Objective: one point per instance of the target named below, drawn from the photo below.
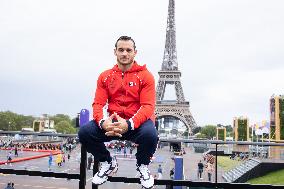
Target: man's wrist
(101, 123)
(130, 124)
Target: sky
(230, 53)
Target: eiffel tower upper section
(169, 74)
(170, 53)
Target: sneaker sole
(147, 188)
(111, 174)
(98, 184)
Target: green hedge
(281, 115)
(242, 130)
(272, 132)
(221, 134)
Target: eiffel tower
(169, 74)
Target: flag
(267, 125)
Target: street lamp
(9, 125)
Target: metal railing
(170, 183)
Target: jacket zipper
(125, 91)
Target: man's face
(125, 52)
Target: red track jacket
(131, 94)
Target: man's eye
(120, 50)
(129, 50)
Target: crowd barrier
(169, 184)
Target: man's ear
(114, 52)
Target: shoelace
(144, 172)
(104, 167)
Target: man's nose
(124, 52)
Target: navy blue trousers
(146, 136)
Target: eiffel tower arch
(170, 75)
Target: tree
(196, 130)
(229, 128)
(185, 134)
(60, 117)
(209, 131)
(14, 122)
(65, 127)
(199, 135)
(73, 122)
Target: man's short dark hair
(125, 38)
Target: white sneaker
(105, 170)
(146, 179)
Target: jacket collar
(134, 68)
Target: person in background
(63, 158)
(50, 161)
(10, 185)
(16, 152)
(209, 170)
(160, 172)
(90, 160)
(131, 151)
(200, 169)
(59, 160)
(9, 158)
(183, 151)
(125, 151)
(172, 173)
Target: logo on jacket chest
(131, 84)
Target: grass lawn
(226, 163)
(274, 178)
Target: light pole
(9, 125)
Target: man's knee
(153, 136)
(149, 132)
(86, 130)
(81, 133)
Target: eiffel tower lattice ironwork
(169, 74)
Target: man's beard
(129, 61)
